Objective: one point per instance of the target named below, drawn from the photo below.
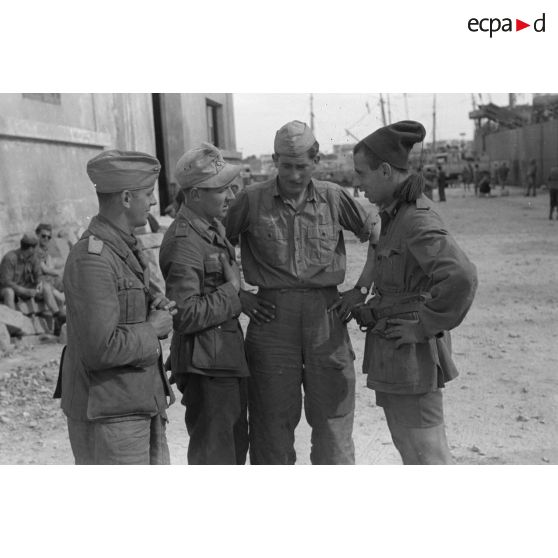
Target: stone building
(46, 140)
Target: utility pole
(434, 125)
(383, 110)
(389, 108)
(312, 112)
(406, 106)
(512, 99)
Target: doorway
(165, 196)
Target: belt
(295, 289)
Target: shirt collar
(105, 230)
(311, 192)
(389, 213)
(203, 227)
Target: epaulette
(95, 245)
(182, 228)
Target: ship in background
(517, 134)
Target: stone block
(5, 342)
(15, 321)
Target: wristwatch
(362, 290)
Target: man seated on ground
(50, 271)
(20, 278)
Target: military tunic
(207, 348)
(111, 368)
(420, 272)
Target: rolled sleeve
(236, 220)
(353, 217)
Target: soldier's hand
(404, 332)
(346, 302)
(161, 320)
(30, 293)
(231, 271)
(161, 302)
(257, 309)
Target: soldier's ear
(125, 197)
(387, 171)
(194, 194)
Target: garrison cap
(204, 167)
(293, 139)
(393, 143)
(113, 171)
(28, 240)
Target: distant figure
(553, 189)
(467, 177)
(484, 185)
(476, 178)
(20, 278)
(503, 174)
(50, 272)
(531, 178)
(246, 176)
(429, 179)
(442, 184)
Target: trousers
(305, 348)
(216, 409)
(136, 441)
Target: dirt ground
(501, 410)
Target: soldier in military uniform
(202, 276)
(292, 249)
(423, 287)
(113, 387)
(20, 278)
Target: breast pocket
(391, 267)
(273, 244)
(213, 271)
(132, 301)
(321, 241)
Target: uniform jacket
(112, 365)
(207, 337)
(417, 256)
(285, 247)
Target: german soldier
(113, 387)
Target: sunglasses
(47, 236)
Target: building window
(52, 98)
(213, 111)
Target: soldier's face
(376, 184)
(295, 173)
(215, 202)
(140, 202)
(44, 237)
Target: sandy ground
(501, 410)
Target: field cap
(393, 143)
(204, 167)
(293, 139)
(114, 171)
(28, 240)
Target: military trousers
(216, 419)
(305, 348)
(134, 441)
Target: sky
(259, 116)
